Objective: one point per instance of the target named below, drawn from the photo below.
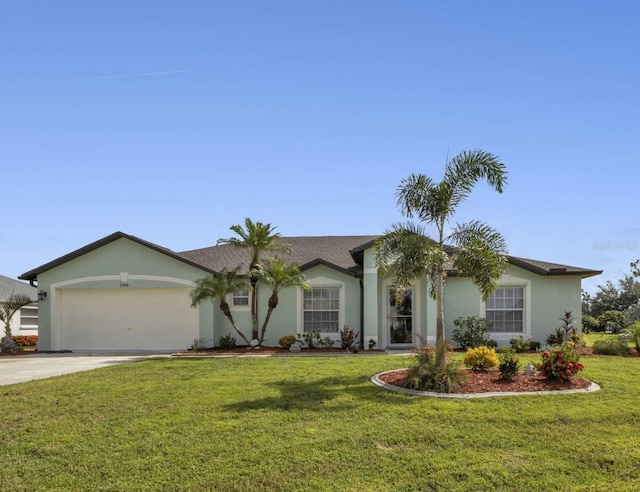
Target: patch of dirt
(489, 381)
(18, 353)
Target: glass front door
(400, 316)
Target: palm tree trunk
(273, 303)
(254, 311)
(235, 327)
(224, 307)
(440, 338)
(264, 325)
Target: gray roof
(334, 251)
(547, 268)
(344, 253)
(10, 286)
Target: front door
(400, 320)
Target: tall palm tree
(279, 275)
(472, 249)
(218, 288)
(259, 238)
(7, 311)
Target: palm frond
(407, 253)
(12, 305)
(480, 253)
(257, 237)
(467, 168)
(217, 287)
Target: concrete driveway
(21, 368)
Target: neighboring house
(25, 321)
(124, 293)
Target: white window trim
(323, 282)
(235, 308)
(505, 282)
(20, 313)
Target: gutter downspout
(361, 314)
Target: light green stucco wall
(286, 318)
(110, 260)
(547, 297)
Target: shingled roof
(9, 286)
(344, 253)
(333, 251)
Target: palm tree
(279, 275)
(473, 249)
(218, 288)
(7, 310)
(258, 238)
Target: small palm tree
(473, 249)
(278, 275)
(7, 311)
(218, 288)
(259, 238)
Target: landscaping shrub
(560, 363)
(286, 341)
(481, 358)
(227, 342)
(348, 337)
(313, 339)
(611, 346)
(470, 332)
(556, 338)
(509, 363)
(634, 332)
(535, 346)
(426, 375)
(520, 344)
(26, 340)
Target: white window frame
(33, 308)
(240, 307)
(323, 283)
(509, 281)
(505, 309)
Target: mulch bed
(275, 351)
(489, 381)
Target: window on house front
(29, 317)
(241, 297)
(505, 310)
(321, 309)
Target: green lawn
(310, 424)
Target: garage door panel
(128, 319)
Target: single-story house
(25, 321)
(124, 293)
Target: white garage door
(127, 319)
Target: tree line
(614, 305)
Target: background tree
(623, 297)
(259, 238)
(474, 249)
(7, 311)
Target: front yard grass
(285, 423)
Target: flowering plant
(560, 363)
(348, 337)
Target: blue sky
(172, 121)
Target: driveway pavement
(21, 368)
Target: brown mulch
(273, 351)
(489, 381)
